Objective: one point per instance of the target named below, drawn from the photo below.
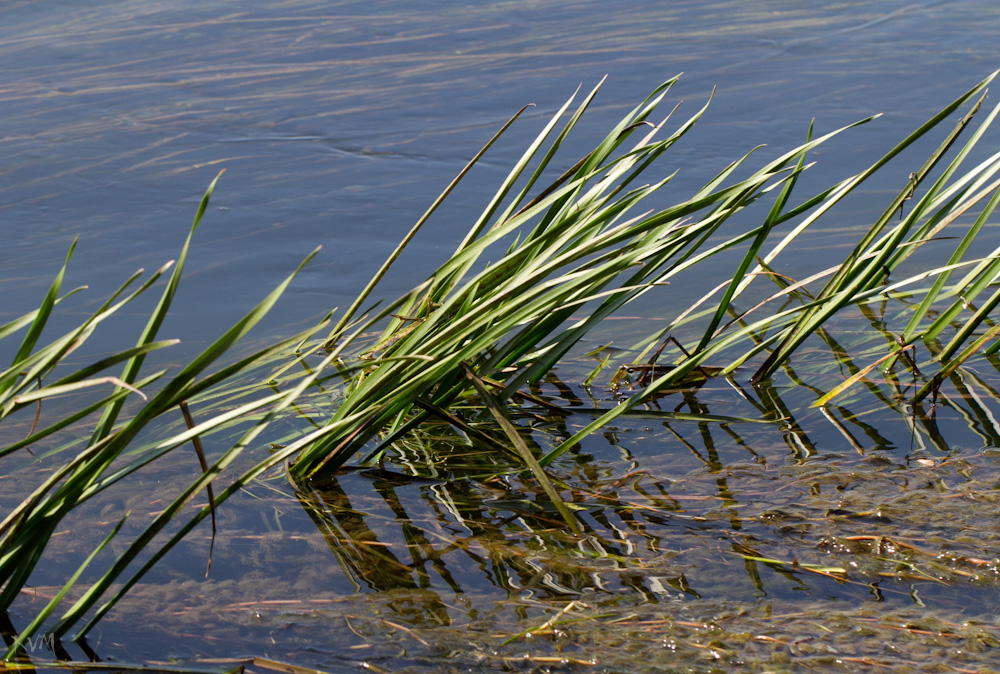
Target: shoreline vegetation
(464, 346)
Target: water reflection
(830, 502)
(683, 516)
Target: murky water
(337, 123)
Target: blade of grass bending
(82, 374)
(18, 323)
(132, 367)
(943, 209)
(639, 114)
(52, 391)
(28, 632)
(41, 318)
(853, 379)
(522, 448)
(651, 274)
(983, 171)
(765, 230)
(932, 385)
(851, 278)
(825, 199)
(76, 416)
(114, 359)
(932, 295)
(349, 313)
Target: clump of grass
(503, 311)
(109, 455)
(498, 316)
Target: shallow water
(836, 540)
(337, 123)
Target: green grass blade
(132, 367)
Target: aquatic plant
(497, 316)
(109, 455)
(501, 311)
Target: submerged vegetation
(550, 258)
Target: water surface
(337, 123)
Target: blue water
(337, 123)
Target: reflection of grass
(498, 316)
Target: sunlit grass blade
(853, 379)
(38, 324)
(348, 315)
(855, 275)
